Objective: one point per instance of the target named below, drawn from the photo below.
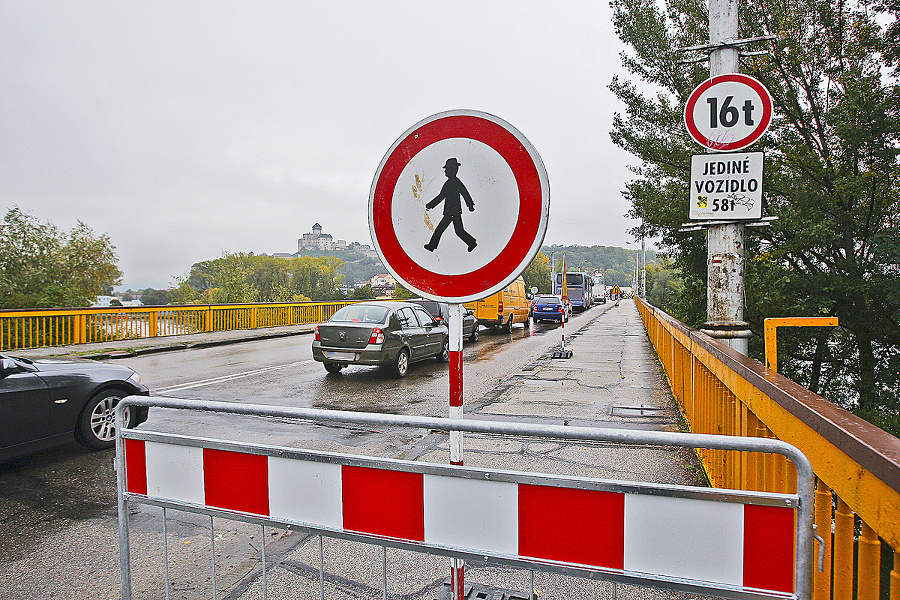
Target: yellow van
(502, 309)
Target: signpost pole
(725, 243)
(455, 324)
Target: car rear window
(548, 300)
(360, 313)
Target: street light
(640, 273)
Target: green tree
(43, 267)
(831, 178)
(152, 297)
(537, 274)
(363, 292)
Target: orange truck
(504, 308)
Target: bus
(580, 288)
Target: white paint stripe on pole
(469, 513)
(175, 472)
(306, 491)
(682, 537)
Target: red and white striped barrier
(646, 532)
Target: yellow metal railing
(63, 327)
(857, 465)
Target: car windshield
(360, 313)
(548, 300)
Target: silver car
(389, 334)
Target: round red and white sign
(728, 112)
(458, 207)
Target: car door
(434, 333)
(412, 333)
(24, 405)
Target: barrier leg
(212, 556)
(262, 551)
(166, 551)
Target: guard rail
(22, 329)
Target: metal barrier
(61, 327)
(750, 545)
(857, 465)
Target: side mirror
(7, 366)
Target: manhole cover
(637, 411)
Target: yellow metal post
(868, 578)
(843, 552)
(822, 579)
(771, 326)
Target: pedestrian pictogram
(450, 196)
(492, 188)
(728, 112)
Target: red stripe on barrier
(136, 466)
(769, 547)
(383, 502)
(236, 481)
(576, 526)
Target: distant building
(383, 285)
(322, 241)
(363, 248)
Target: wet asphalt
(612, 379)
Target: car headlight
(135, 377)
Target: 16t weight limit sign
(728, 112)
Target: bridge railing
(857, 465)
(62, 327)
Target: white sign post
(457, 210)
(726, 186)
(728, 112)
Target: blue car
(548, 307)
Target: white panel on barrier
(305, 491)
(175, 472)
(682, 537)
(470, 513)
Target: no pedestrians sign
(459, 206)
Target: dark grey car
(441, 312)
(388, 334)
(46, 403)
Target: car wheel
(507, 327)
(444, 355)
(401, 365)
(333, 367)
(474, 336)
(97, 424)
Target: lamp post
(640, 269)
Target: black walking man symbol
(450, 194)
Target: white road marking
(232, 377)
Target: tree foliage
(831, 179)
(44, 267)
(240, 277)
(537, 274)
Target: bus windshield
(571, 279)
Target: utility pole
(725, 243)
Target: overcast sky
(187, 129)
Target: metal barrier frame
(802, 501)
